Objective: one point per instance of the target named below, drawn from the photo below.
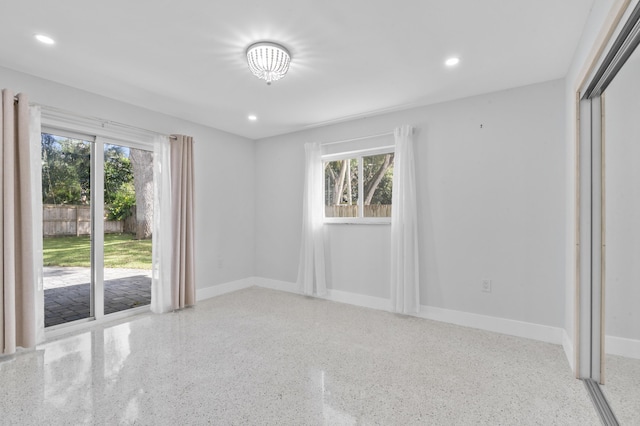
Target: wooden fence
(59, 220)
(373, 210)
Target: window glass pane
(66, 227)
(341, 188)
(128, 199)
(378, 183)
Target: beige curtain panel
(182, 191)
(17, 307)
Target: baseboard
(629, 348)
(332, 295)
(276, 284)
(217, 290)
(528, 330)
(567, 345)
(499, 325)
(372, 302)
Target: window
(358, 186)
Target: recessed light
(44, 39)
(452, 61)
(252, 117)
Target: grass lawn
(120, 251)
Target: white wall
(224, 192)
(491, 203)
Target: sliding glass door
(97, 215)
(128, 200)
(67, 223)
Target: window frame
(358, 155)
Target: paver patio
(67, 292)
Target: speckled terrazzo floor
(264, 357)
(622, 388)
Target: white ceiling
(350, 58)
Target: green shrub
(122, 203)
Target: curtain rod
(101, 120)
(357, 139)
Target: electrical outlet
(486, 286)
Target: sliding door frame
(590, 246)
(97, 223)
(97, 228)
(621, 39)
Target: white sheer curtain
(161, 253)
(311, 269)
(405, 295)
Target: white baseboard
(217, 290)
(365, 301)
(333, 295)
(567, 345)
(276, 284)
(527, 330)
(629, 348)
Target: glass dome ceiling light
(268, 61)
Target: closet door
(621, 312)
(609, 240)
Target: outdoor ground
(120, 251)
(67, 276)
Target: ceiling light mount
(268, 61)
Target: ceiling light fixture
(44, 39)
(452, 61)
(252, 117)
(268, 61)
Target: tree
(66, 175)
(66, 170)
(119, 194)
(117, 172)
(378, 179)
(122, 202)
(142, 167)
(342, 180)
